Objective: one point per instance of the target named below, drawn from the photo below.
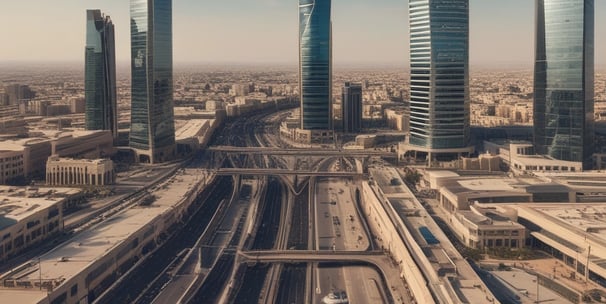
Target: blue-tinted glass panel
(315, 64)
(564, 77)
(439, 56)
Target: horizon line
(353, 64)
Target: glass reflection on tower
(564, 80)
(152, 120)
(315, 64)
(100, 74)
(439, 63)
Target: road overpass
(396, 284)
(282, 172)
(301, 151)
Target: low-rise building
(12, 163)
(521, 158)
(15, 126)
(79, 172)
(30, 215)
(488, 228)
(80, 270)
(84, 144)
(572, 233)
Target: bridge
(300, 152)
(397, 286)
(283, 172)
(287, 256)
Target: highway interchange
(253, 202)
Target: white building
(79, 172)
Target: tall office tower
(100, 74)
(352, 107)
(152, 132)
(439, 75)
(315, 64)
(563, 80)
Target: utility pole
(537, 301)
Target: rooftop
(192, 128)
(18, 203)
(389, 181)
(70, 258)
(543, 160)
(403, 202)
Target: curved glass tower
(564, 80)
(315, 64)
(100, 74)
(152, 133)
(439, 68)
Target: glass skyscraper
(352, 107)
(564, 80)
(315, 64)
(152, 133)
(439, 69)
(100, 74)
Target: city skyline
(501, 32)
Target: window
(60, 299)
(74, 290)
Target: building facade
(79, 172)
(439, 77)
(83, 144)
(315, 64)
(29, 217)
(12, 163)
(352, 107)
(152, 134)
(15, 93)
(564, 80)
(100, 74)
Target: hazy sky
(241, 31)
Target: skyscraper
(315, 64)
(564, 80)
(100, 74)
(439, 74)
(152, 134)
(352, 107)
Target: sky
(265, 31)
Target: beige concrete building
(73, 172)
(28, 216)
(485, 162)
(572, 233)
(488, 227)
(291, 131)
(521, 158)
(15, 126)
(79, 270)
(425, 256)
(397, 119)
(86, 144)
(12, 162)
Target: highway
(268, 268)
(137, 280)
(275, 172)
(301, 151)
